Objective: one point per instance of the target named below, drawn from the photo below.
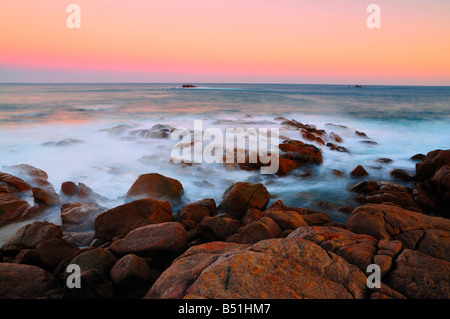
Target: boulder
(270, 269)
(251, 215)
(24, 281)
(153, 240)
(119, 221)
(155, 186)
(240, 197)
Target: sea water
(84, 133)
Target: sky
(232, 41)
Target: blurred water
(33, 118)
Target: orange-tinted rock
(240, 197)
(390, 222)
(175, 280)
(355, 248)
(80, 216)
(155, 186)
(119, 221)
(267, 270)
(52, 251)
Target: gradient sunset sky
(238, 41)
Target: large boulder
(432, 187)
(296, 153)
(24, 281)
(192, 214)
(119, 221)
(156, 186)
(240, 197)
(159, 239)
(270, 269)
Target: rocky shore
(157, 246)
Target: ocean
(93, 133)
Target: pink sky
(277, 41)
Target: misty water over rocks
(106, 136)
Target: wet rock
(401, 174)
(337, 148)
(24, 281)
(361, 134)
(418, 157)
(286, 219)
(240, 197)
(73, 193)
(156, 186)
(359, 171)
(384, 160)
(119, 221)
(14, 209)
